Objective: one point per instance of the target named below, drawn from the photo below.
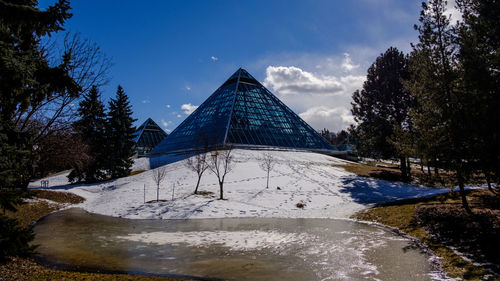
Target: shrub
(14, 239)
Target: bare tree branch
(199, 165)
(221, 163)
(159, 175)
(267, 163)
(86, 64)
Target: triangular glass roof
(242, 112)
(147, 136)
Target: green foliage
(479, 41)
(14, 239)
(434, 76)
(26, 76)
(91, 127)
(26, 79)
(381, 107)
(455, 78)
(15, 156)
(120, 132)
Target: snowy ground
(327, 191)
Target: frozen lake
(231, 248)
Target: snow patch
(317, 180)
(235, 240)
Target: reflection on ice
(232, 249)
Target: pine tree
(120, 131)
(91, 128)
(26, 78)
(382, 107)
(479, 40)
(445, 112)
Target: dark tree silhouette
(120, 132)
(381, 108)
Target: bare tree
(221, 163)
(87, 65)
(267, 163)
(159, 175)
(199, 165)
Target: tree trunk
(465, 204)
(436, 169)
(429, 168)
(221, 185)
(267, 185)
(488, 180)
(197, 184)
(408, 169)
(157, 193)
(421, 165)
(402, 167)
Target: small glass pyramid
(243, 113)
(147, 136)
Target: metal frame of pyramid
(148, 136)
(243, 113)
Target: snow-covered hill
(316, 180)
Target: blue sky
(169, 56)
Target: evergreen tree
(428, 136)
(26, 78)
(445, 112)
(120, 132)
(91, 128)
(382, 107)
(479, 44)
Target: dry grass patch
(392, 173)
(35, 208)
(133, 173)
(440, 223)
(58, 196)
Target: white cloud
(145, 101)
(188, 88)
(324, 117)
(214, 58)
(347, 63)
(292, 80)
(188, 108)
(168, 105)
(321, 99)
(179, 116)
(165, 124)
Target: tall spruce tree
(381, 107)
(26, 78)
(479, 39)
(91, 128)
(445, 111)
(120, 132)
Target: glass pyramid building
(147, 136)
(243, 113)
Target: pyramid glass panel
(206, 125)
(242, 112)
(148, 135)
